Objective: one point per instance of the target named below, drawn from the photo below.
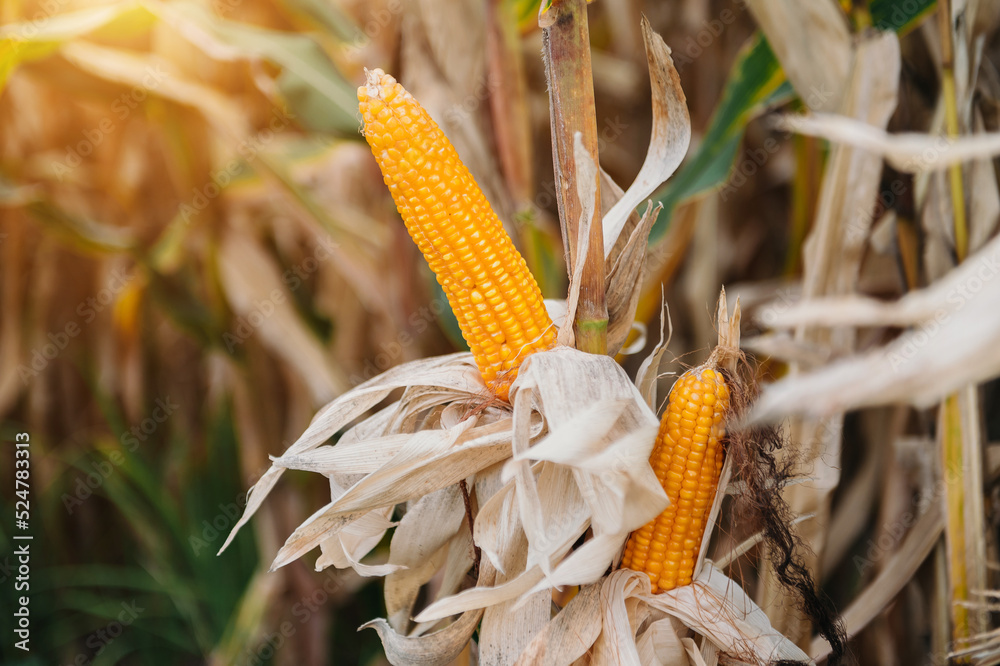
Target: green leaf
(446, 318)
(899, 15)
(525, 12)
(113, 652)
(319, 96)
(328, 15)
(755, 83)
(543, 254)
(109, 577)
(81, 233)
(40, 36)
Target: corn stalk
(566, 49)
(961, 471)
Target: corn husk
(532, 495)
(568, 458)
(950, 343)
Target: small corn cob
(687, 460)
(495, 298)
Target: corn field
(458, 332)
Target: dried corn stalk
(556, 478)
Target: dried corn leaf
(563, 515)
(813, 44)
(482, 596)
(568, 384)
(622, 616)
(897, 571)
(954, 343)
(618, 621)
(570, 634)
(429, 461)
(694, 655)
(716, 607)
(586, 176)
(624, 281)
(832, 257)
(660, 643)
(459, 369)
(253, 284)
(358, 457)
(649, 371)
(498, 525)
(507, 630)
(420, 545)
(437, 649)
(346, 548)
(668, 143)
(910, 152)
(599, 466)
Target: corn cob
(495, 298)
(687, 459)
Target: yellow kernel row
(687, 460)
(489, 287)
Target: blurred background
(198, 252)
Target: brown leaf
(813, 44)
(570, 634)
(668, 143)
(437, 649)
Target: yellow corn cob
(495, 298)
(687, 460)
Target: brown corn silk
(495, 298)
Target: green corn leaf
(755, 83)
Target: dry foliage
(188, 215)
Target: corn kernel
(687, 460)
(455, 228)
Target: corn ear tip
(376, 80)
